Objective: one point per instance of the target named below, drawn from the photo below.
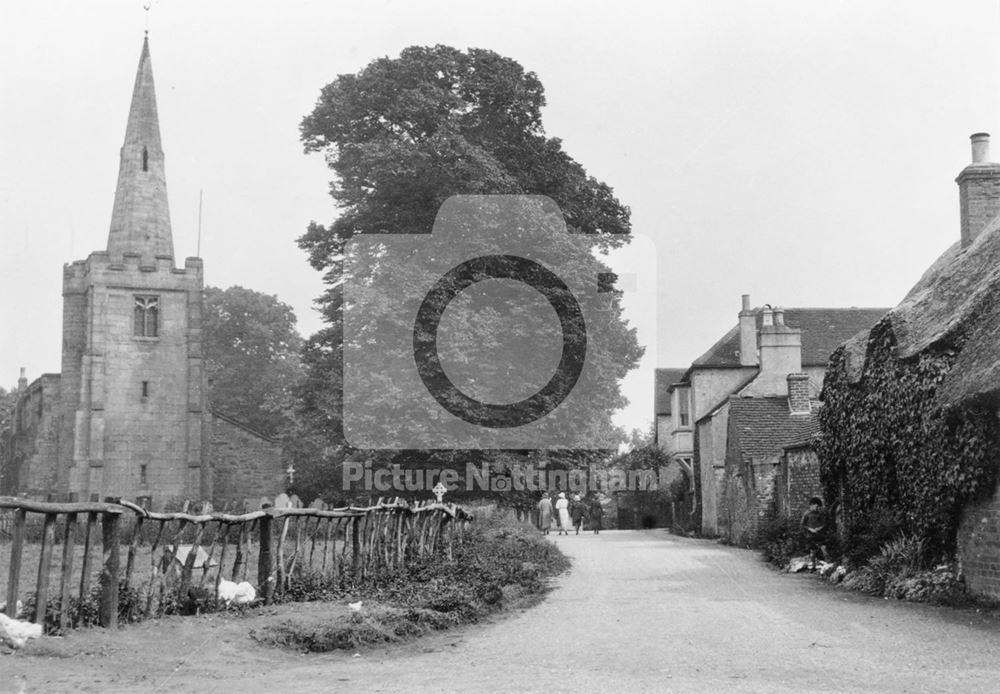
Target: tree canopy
(252, 360)
(405, 134)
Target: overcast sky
(801, 152)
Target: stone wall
(29, 463)
(747, 499)
(245, 464)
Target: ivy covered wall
(890, 453)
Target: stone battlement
(100, 264)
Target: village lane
(638, 612)
(648, 611)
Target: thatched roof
(954, 292)
(976, 373)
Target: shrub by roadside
(501, 564)
(898, 569)
(780, 539)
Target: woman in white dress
(562, 507)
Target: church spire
(140, 221)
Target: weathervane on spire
(145, 6)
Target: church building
(128, 415)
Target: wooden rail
(354, 544)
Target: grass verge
(501, 564)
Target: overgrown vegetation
(86, 612)
(499, 564)
(780, 539)
(894, 458)
(897, 567)
(900, 570)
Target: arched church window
(146, 316)
(145, 159)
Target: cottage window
(684, 408)
(146, 314)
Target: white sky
(801, 152)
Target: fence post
(66, 576)
(356, 547)
(110, 535)
(44, 565)
(85, 563)
(16, 547)
(132, 546)
(264, 559)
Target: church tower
(132, 389)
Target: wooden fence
(170, 556)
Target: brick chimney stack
(798, 393)
(22, 382)
(978, 189)
(748, 334)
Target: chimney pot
(980, 148)
(978, 190)
(768, 317)
(779, 317)
(748, 334)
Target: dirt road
(639, 611)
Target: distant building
(771, 358)
(128, 416)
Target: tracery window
(146, 316)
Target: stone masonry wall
(244, 464)
(29, 467)
(748, 500)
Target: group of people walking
(569, 513)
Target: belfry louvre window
(146, 316)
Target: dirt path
(640, 611)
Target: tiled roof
(823, 330)
(761, 427)
(664, 379)
(807, 439)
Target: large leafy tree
(402, 136)
(252, 357)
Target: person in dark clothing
(578, 512)
(545, 515)
(814, 527)
(596, 516)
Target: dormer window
(145, 159)
(146, 316)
